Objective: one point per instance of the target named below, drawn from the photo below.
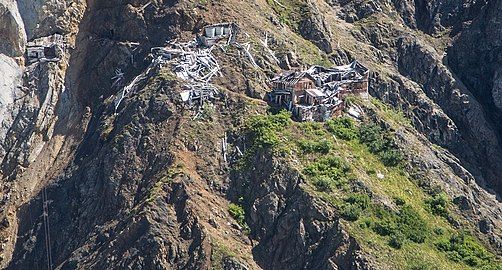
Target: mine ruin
(318, 93)
(45, 49)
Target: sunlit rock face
(9, 92)
(12, 35)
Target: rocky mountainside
(154, 184)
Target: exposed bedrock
(46, 17)
(476, 58)
(479, 145)
(434, 17)
(113, 199)
(440, 105)
(11, 29)
(313, 27)
(294, 229)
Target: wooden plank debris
(270, 51)
(193, 62)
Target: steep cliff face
(294, 229)
(434, 17)
(457, 117)
(11, 29)
(148, 185)
(475, 57)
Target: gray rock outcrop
(11, 29)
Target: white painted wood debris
(192, 62)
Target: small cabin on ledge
(49, 49)
(36, 53)
(317, 94)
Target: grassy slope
(364, 168)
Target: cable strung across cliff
(47, 229)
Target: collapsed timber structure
(191, 61)
(194, 62)
(45, 49)
(318, 93)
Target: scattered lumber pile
(193, 62)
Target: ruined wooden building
(318, 93)
(48, 49)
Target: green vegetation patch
(461, 247)
(309, 146)
(406, 224)
(327, 172)
(343, 128)
(290, 12)
(438, 204)
(357, 168)
(219, 253)
(238, 213)
(354, 205)
(381, 143)
(264, 129)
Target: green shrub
(331, 166)
(237, 213)
(369, 134)
(397, 240)
(492, 266)
(354, 205)
(463, 248)
(407, 223)
(324, 146)
(412, 225)
(327, 172)
(351, 212)
(385, 223)
(391, 157)
(361, 200)
(438, 204)
(399, 201)
(314, 128)
(309, 146)
(366, 223)
(263, 129)
(439, 230)
(342, 128)
(385, 227)
(421, 265)
(380, 142)
(323, 183)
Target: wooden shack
(289, 88)
(318, 93)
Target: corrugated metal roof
(315, 92)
